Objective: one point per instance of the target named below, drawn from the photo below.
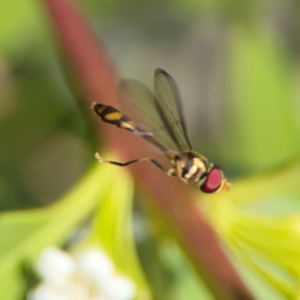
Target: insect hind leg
(124, 164)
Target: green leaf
(24, 233)
(264, 239)
(112, 228)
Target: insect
(158, 119)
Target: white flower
(55, 265)
(88, 276)
(119, 288)
(95, 264)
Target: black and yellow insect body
(158, 119)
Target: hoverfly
(158, 119)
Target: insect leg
(171, 172)
(124, 164)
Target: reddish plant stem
(172, 199)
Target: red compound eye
(214, 181)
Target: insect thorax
(191, 167)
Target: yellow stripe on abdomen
(113, 116)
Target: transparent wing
(160, 116)
(168, 105)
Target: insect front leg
(172, 172)
(127, 163)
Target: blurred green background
(236, 63)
